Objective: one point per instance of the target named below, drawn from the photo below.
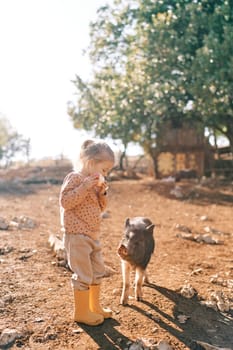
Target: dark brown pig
(135, 251)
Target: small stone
(38, 320)
(223, 306)
(8, 337)
(9, 298)
(119, 340)
(77, 330)
(182, 318)
(188, 291)
(155, 330)
(138, 345)
(3, 224)
(116, 291)
(204, 218)
(163, 345)
(183, 228)
(155, 318)
(6, 249)
(177, 192)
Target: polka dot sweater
(80, 208)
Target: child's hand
(102, 189)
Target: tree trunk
(121, 161)
(230, 138)
(156, 172)
(154, 155)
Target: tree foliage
(11, 143)
(212, 70)
(158, 61)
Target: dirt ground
(35, 293)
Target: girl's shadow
(106, 336)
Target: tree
(11, 143)
(147, 62)
(4, 130)
(110, 105)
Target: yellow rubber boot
(82, 313)
(95, 304)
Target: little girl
(82, 199)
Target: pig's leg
(139, 277)
(125, 268)
(146, 279)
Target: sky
(41, 51)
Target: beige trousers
(85, 260)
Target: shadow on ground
(107, 336)
(204, 324)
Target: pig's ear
(127, 223)
(150, 228)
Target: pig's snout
(122, 251)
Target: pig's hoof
(146, 282)
(139, 299)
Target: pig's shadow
(204, 324)
(106, 336)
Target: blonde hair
(96, 150)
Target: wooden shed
(180, 149)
